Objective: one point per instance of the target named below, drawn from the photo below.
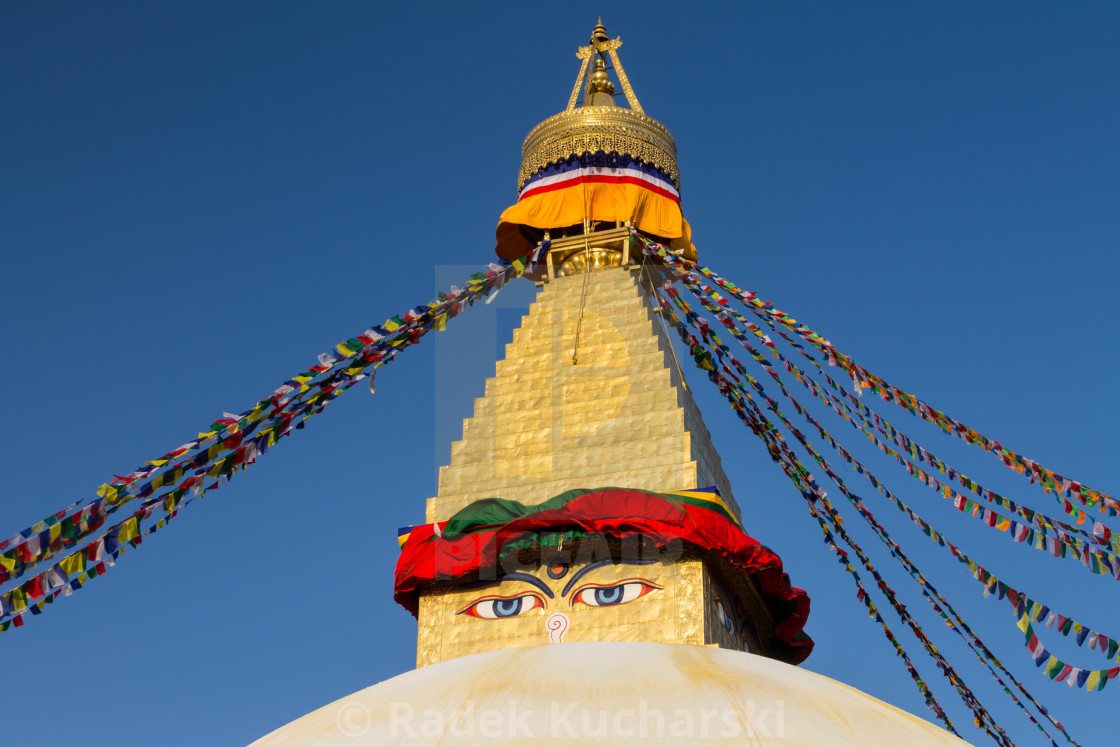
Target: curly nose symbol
(557, 625)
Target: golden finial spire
(600, 90)
(601, 44)
(599, 33)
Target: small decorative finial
(599, 33)
(600, 81)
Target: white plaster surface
(609, 693)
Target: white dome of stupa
(610, 693)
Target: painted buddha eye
(725, 618)
(613, 594)
(498, 607)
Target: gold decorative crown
(599, 125)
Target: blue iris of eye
(508, 607)
(608, 596)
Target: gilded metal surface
(688, 622)
(600, 258)
(600, 90)
(591, 129)
(599, 33)
(603, 44)
(579, 79)
(600, 81)
(428, 636)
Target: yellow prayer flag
(1024, 623)
(16, 599)
(1093, 681)
(9, 563)
(56, 532)
(128, 530)
(73, 564)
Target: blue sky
(198, 198)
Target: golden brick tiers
(619, 418)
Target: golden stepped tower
(621, 416)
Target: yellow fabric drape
(648, 211)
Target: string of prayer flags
(761, 426)
(230, 444)
(76, 570)
(1050, 480)
(1070, 535)
(1057, 670)
(1075, 675)
(1094, 559)
(1047, 537)
(980, 650)
(1100, 534)
(1028, 610)
(805, 483)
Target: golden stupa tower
(584, 574)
